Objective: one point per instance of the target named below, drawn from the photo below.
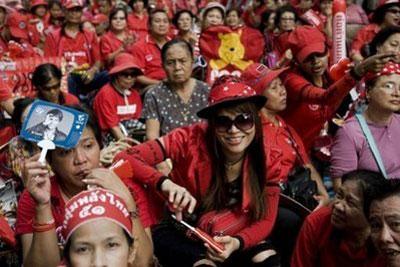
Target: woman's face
(99, 243)
(159, 24)
(138, 6)
(385, 95)
(74, 15)
(287, 21)
(392, 16)
(40, 11)
(384, 220)
(234, 141)
(347, 212)
(276, 95)
(185, 22)
(126, 79)
(73, 165)
(118, 21)
(51, 90)
(315, 64)
(56, 11)
(232, 19)
(178, 64)
(392, 44)
(213, 18)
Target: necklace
(230, 164)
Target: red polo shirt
(84, 48)
(26, 209)
(148, 56)
(319, 244)
(111, 107)
(109, 43)
(364, 36)
(138, 25)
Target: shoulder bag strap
(294, 145)
(371, 143)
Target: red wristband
(43, 227)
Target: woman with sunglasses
(118, 105)
(219, 166)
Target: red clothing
(69, 99)
(319, 244)
(37, 28)
(26, 209)
(138, 25)
(187, 149)
(3, 47)
(278, 140)
(148, 56)
(84, 48)
(252, 19)
(364, 36)
(111, 107)
(309, 107)
(109, 43)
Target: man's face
(51, 121)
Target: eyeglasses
(243, 122)
(51, 87)
(394, 11)
(129, 74)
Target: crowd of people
(231, 116)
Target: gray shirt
(164, 104)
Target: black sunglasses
(243, 122)
(129, 74)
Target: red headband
(91, 205)
(388, 69)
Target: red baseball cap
(38, 3)
(124, 61)
(18, 25)
(388, 69)
(228, 89)
(305, 40)
(93, 205)
(99, 18)
(73, 3)
(259, 76)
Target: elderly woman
(339, 235)
(118, 105)
(174, 102)
(383, 212)
(41, 206)
(351, 150)
(118, 38)
(220, 169)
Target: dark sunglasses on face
(243, 122)
(394, 11)
(129, 74)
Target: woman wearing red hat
(385, 15)
(118, 38)
(41, 207)
(118, 105)
(220, 167)
(351, 150)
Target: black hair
(380, 38)
(172, 42)
(265, 18)
(56, 112)
(44, 73)
(379, 13)
(131, 2)
(20, 106)
(155, 11)
(115, 10)
(54, 2)
(237, 10)
(383, 189)
(279, 12)
(179, 13)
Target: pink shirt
(350, 150)
(356, 15)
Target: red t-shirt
(109, 43)
(84, 48)
(148, 56)
(111, 106)
(138, 25)
(26, 209)
(364, 36)
(70, 99)
(319, 244)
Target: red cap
(124, 61)
(73, 3)
(388, 69)
(99, 18)
(260, 76)
(381, 6)
(18, 25)
(305, 40)
(38, 3)
(382, 3)
(92, 205)
(228, 89)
